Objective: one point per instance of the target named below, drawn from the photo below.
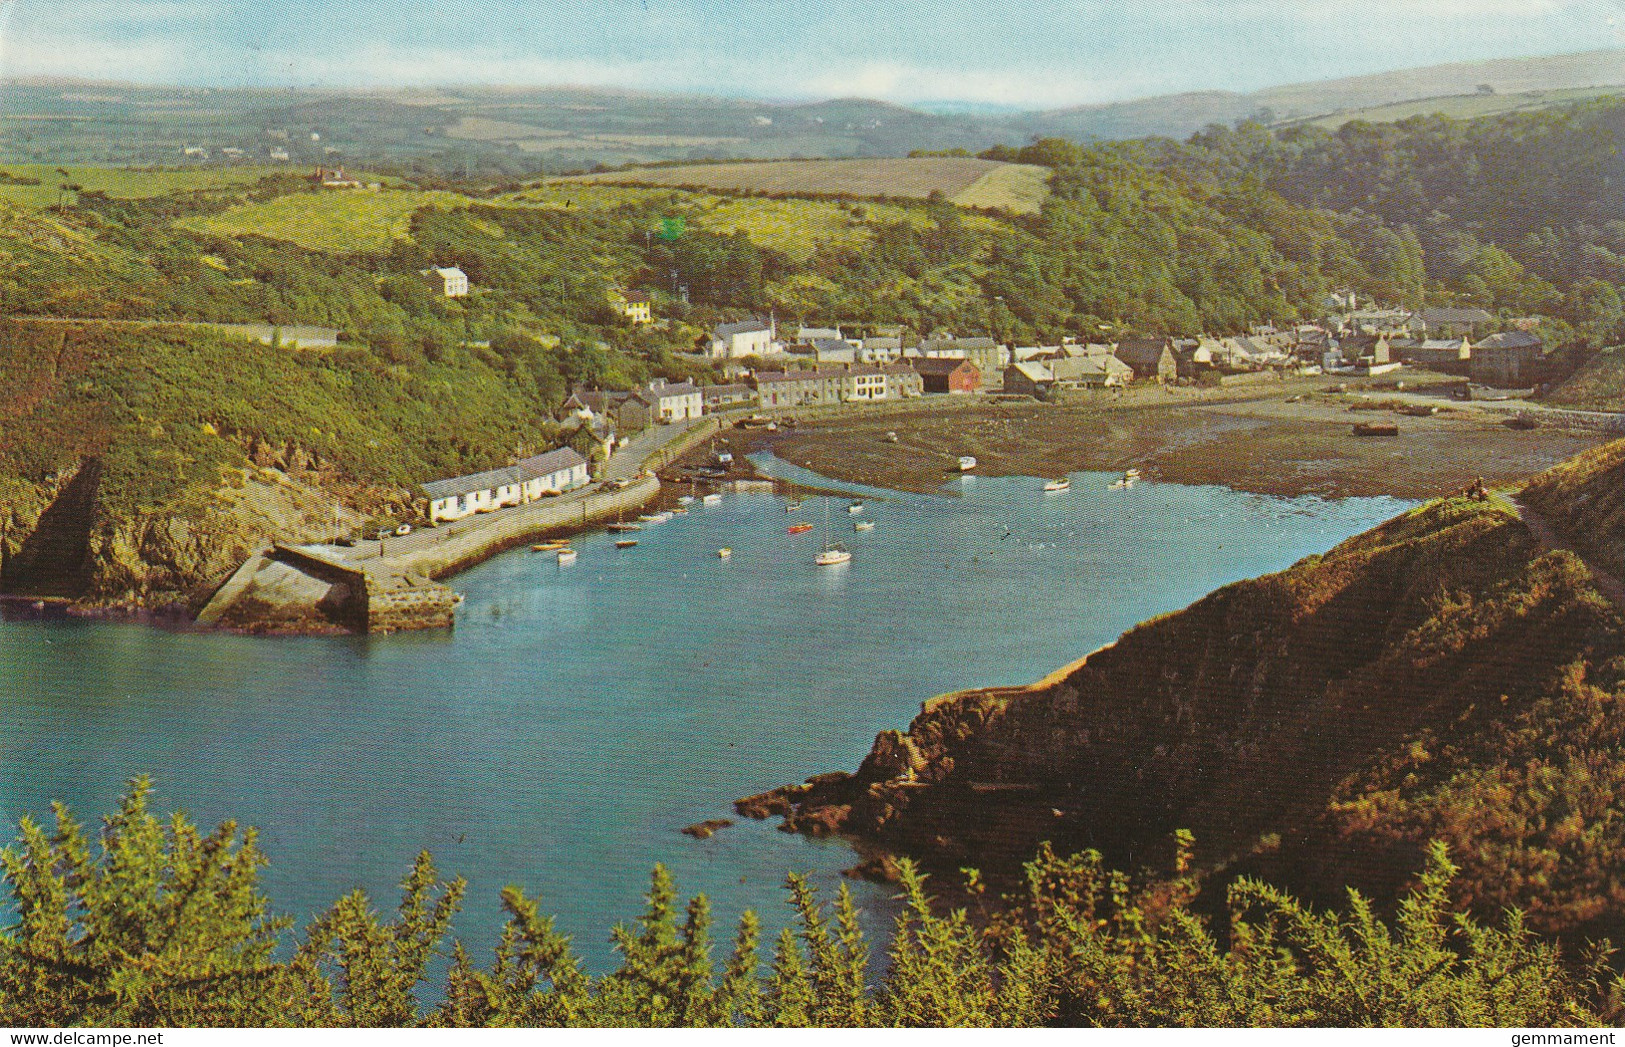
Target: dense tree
(160, 925)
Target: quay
(398, 582)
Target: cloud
(147, 59)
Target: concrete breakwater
(392, 584)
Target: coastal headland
(1317, 726)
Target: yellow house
(634, 305)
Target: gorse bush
(157, 924)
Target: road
(634, 455)
(626, 463)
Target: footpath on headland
(396, 582)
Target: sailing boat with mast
(832, 554)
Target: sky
(1021, 53)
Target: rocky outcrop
(1292, 722)
(706, 829)
(62, 542)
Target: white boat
(566, 556)
(1057, 486)
(1131, 474)
(831, 554)
(654, 518)
(864, 525)
(725, 552)
(711, 499)
(1122, 482)
(685, 499)
(855, 508)
(967, 462)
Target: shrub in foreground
(157, 924)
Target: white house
(673, 402)
(745, 338)
(537, 476)
(450, 282)
(553, 472)
(463, 496)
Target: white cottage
(462, 496)
(535, 477)
(553, 473)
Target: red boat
(799, 528)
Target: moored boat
(967, 462)
(619, 526)
(711, 499)
(832, 555)
(685, 499)
(855, 507)
(550, 547)
(1057, 486)
(791, 506)
(725, 552)
(864, 525)
(566, 556)
(626, 543)
(799, 528)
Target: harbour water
(579, 716)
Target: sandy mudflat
(1251, 439)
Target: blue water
(578, 717)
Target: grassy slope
(1466, 107)
(1597, 386)
(1437, 677)
(1017, 188)
(795, 227)
(122, 182)
(1584, 498)
(172, 414)
(338, 221)
(966, 181)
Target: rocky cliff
(1440, 676)
(58, 539)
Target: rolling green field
(1466, 107)
(794, 226)
(338, 221)
(966, 181)
(128, 183)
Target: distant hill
(1347, 98)
(523, 129)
